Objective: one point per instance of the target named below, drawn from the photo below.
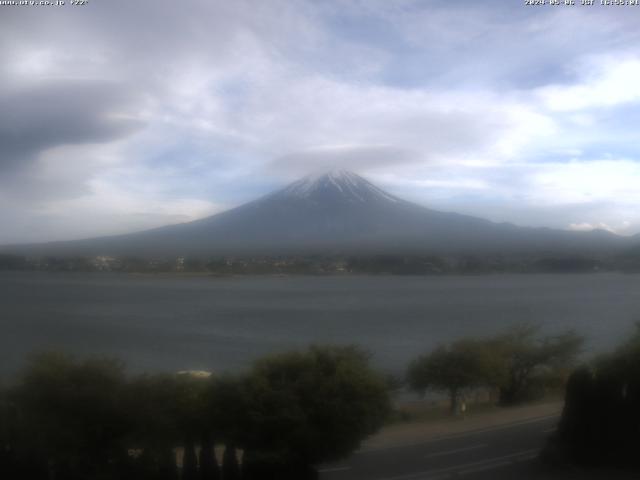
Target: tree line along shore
(389, 264)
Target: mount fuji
(337, 212)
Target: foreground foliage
(70, 419)
(518, 364)
(456, 368)
(314, 406)
(600, 423)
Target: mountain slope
(337, 212)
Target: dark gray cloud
(56, 113)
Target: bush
(308, 407)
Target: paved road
(503, 452)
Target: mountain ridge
(335, 212)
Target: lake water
(176, 323)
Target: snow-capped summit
(340, 184)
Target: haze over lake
(175, 323)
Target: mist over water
(170, 323)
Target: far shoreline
(212, 275)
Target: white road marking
(457, 450)
(465, 468)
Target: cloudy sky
(123, 115)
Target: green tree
(600, 423)
(230, 466)
(70, 415)
(169, 411)
(7, 440)
(189, 462)
(531, 360)
(455, 368)
(224, 414)
(306, 407)
(209, 468)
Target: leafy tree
(230, 466)
(454, 368)
(306, 407)
(530, 358)
(600, 423)
(80, 419)
(168, 413)
(209, 469)
(224, 413)
(189, 462)
(70, 415)
(191, 403)
(7, 440)
(517, 363)
(18, 457)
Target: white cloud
(112, 210)
(586, 227)
(586, 182)
(607, 82)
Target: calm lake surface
(176, 323)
